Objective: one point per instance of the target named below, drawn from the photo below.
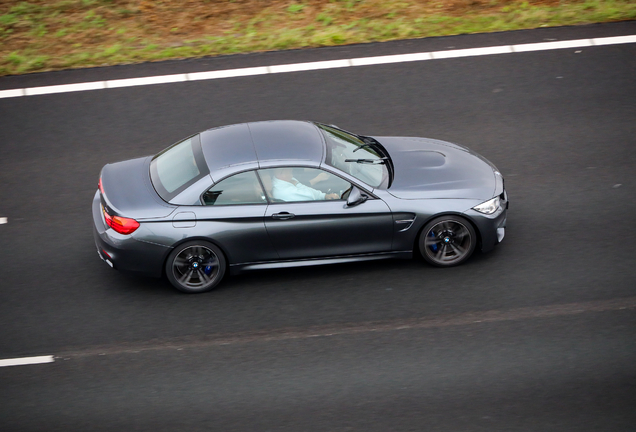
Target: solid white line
(309, 66)
(228, 73)
(134, 82)
(543, 46)
(26, 361)
(396, 58)
(11, 93)
(615, 40)
(471, 52)
(301, 67)
(64, 88)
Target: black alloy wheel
(447, 241)
(195, 267)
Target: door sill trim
(239, 268)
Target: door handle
(283, 216)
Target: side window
(293, 184)
(243, 188)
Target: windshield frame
(199, 159)
(368, 144)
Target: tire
(195, 266)
(447, 241)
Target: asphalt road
(538, 335)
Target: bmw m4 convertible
(292, 193)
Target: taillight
(99, 185)
(120, 224)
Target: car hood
(129, 192)
(427, 168)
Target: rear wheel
(447, 241)
(196, 266)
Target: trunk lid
(128, 191)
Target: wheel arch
(416, 240)
(190, 239)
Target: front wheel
(195, 267)
(447, 241)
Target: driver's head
(284, 174)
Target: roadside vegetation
(40, 35)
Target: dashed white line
(22, 361)
(4, 220)
(320, 65)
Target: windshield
(363, 158)
(177, 167)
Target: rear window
(178, 167)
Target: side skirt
(240, 268)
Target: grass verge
(40, 35)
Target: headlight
(489, 207)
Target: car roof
(258, 142)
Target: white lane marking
(64, 88)
(134, 82)
(543, 46)
(228, 73)
(308, 66)
(396, 58)
(614, 40)
(4, 220)
(301, 67)
(26, 361)
(472, 52)
(11, 93)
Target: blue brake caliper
(434, 246)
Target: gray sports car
(292, 193)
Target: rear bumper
(123, 252)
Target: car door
(305, 226)
(233, 217)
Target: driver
(285, 187)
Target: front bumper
(124, 252)
(492, 229)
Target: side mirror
(355, 197)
